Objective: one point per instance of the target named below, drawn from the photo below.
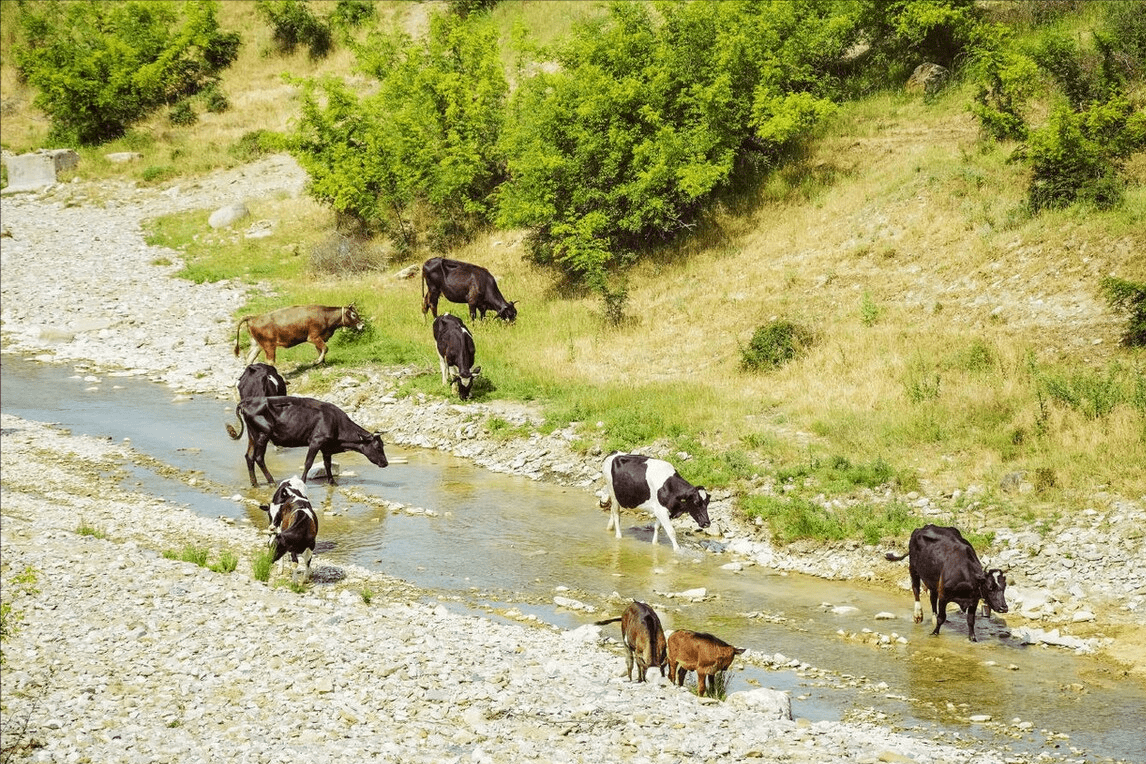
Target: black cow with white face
(260, 380)
(293, 421)
(455, 353)
(947, 565)
(639, 482)
(464, 283)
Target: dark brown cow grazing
(947, 565)
(643, 637)
(695, 651)
(463, 283)
(294, 421)
(287, 327)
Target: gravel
(120, 654)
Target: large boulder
(224, 217)
(27, 172)
(928, 79)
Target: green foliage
(254, 144)
(795, 518)
(1005, 80)
(84, 529)
(101, 67)
(773, 345)
(182, 113)
(1094, 394)
(428, 135)
(869, 311)
(294, 24)
(622, 143)
(1076, 156)
(228, 562)
(367, 595)
(1128, 297)
(261, 564)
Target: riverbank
(79, 285)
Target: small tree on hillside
(101, 67)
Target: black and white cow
(455, 353)
(293, 524)
(946, 563)
(639, 482)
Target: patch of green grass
(227, 563)
(367, 594)
(261, 564)
(85, 529)
(793, 518)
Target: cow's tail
(607, 621)
(236, 434)
(237, 330)
(896, 557)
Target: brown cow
(287, 327)
(644, 639)
(695, 651)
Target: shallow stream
(499, 544)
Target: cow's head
(695, 503)
(508, 313)
(465, 382)
(992, 587)
(351, 318)
(372, 449)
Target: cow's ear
(702, 493)
(475, 371)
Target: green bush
(294, 24)
(773, 345)
(1128, 297)
(101, 67)
(183, 114)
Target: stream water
(495, 542)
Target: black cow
(464, 283)
(292, 421)
(260, 380)
(638, 482)
(294, 524)
(947, 565)
(455, 353)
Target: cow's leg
(917, 613)
(629, 663)
(257, 454)
(940, 615)
(326, 463)
(642, 670)
(445, 368)
(614, 515)
(662, 517)
(321, 346)
(971, 620)
(253, 353)
(700, 677)
(311, 452)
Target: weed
(773, 345)
(90, 530)
(261, 564)
(367, 595)
(869, 311)
(227, 563)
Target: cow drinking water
(947, 565)
(293, 524)
(292, 421)
(643, 637)
(639, 482)
(455, 353)
(464, 283)
(696, 651)
(287, 327)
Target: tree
(100, 67)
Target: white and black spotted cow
(639, 482)
(455, 353)
(294, 524)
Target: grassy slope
(940, 310)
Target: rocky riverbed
(122, 655)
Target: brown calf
(287, 327)
(644, 639)
(695, 651)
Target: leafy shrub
(101, 67)
(215, 100)
(773, 345)
(427, 137)
(1092, 393)
(254, 144)
(1128, 297)
(294, 24)
(343, 255)
(183, 114)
